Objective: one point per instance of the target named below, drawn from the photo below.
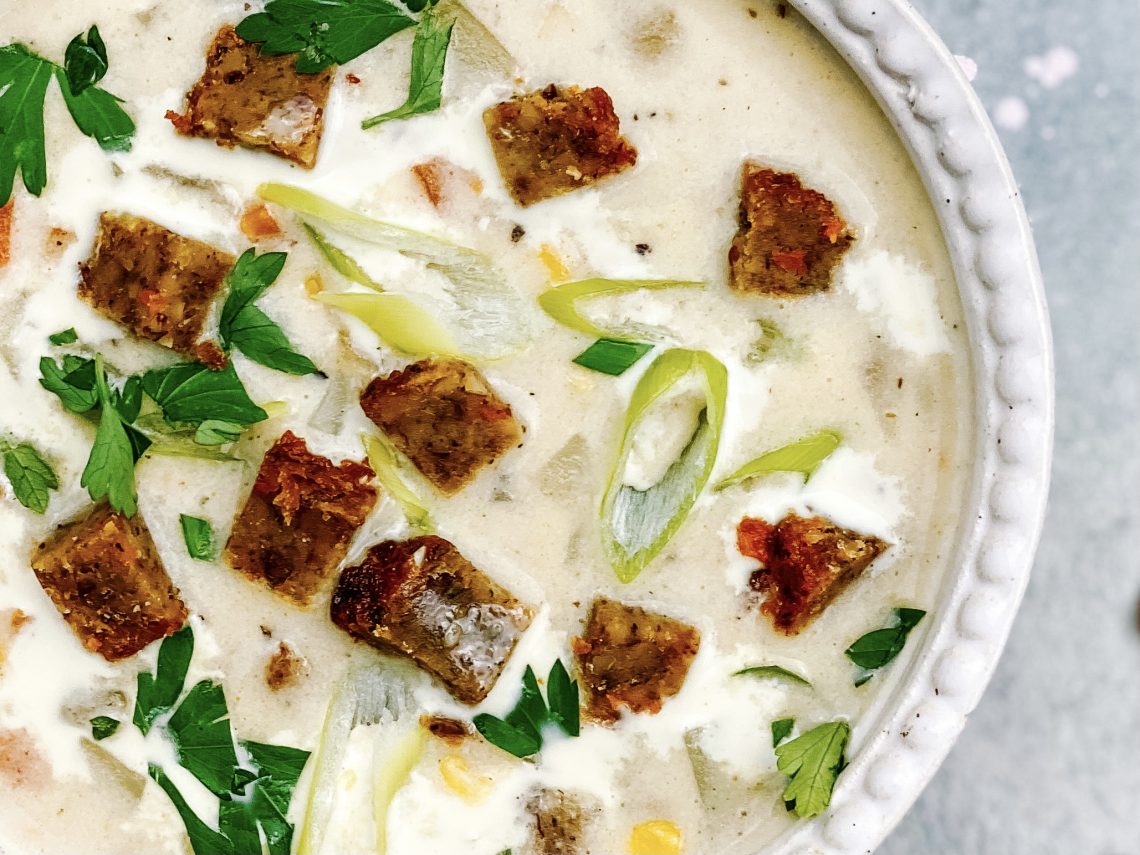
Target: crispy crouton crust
(104, 575)
(247, 98)
(284, 668)
(630, 657)
(444, 415)
(301, 514)
(807, 564)
(423, 599)
(558, 821)
(790, 238)
(556, 140)
(157, 284)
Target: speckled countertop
(1049, 763)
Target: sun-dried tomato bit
(301, 515)
(257, 223)
(58, 240)
(790, 238)
(444, 415)
(631, 658)
(450, 730)
(421, 598)
(6, 217)
(556, 140)
(158, 284)
(807, 563)
(105, 576)
(249, 98)
(22, 766)
(285, 668)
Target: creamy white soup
(557, 497)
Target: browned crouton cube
(445, 417)
(556, 140)
(250, 99)
(790, 238)
(301, 514)
(104, 575)
(807, 564)
(157, 284)
(423, 599)
(630, 657)
(558, 820)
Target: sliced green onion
(775, 671)
(396, 753)
(377, 698)
(638, 523)
(804, 456)
(399, 321)
(341, 262)
(489, 319)
(612, 356)
(561, 303)
(385, 462)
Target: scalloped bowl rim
(900, 743)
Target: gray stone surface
(1049, 763)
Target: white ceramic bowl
(900, 743)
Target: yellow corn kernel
(656, 837)
(553, 263)
(459, 777)
(314, 284)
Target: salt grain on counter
(1054, 68)
(1011, 114)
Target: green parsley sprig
(323, 32)
(188, 395)
(32, 478)
(813, 762)
(199, 537)
(520, 733)
(244, 326)
(880, 647)
(429, 58)
(24, 79)
(253, 782)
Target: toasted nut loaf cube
(301, 514)
(104, 575)
(250, 99)
(630, 657)
(790, 238)
(556, 140)
(444, 415)
(6, 217)
(423, 599)
(558, 820)
(807, 564)
(157, 284)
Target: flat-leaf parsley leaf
(31, 476)
(813, 762)
(246, 327)
(880, 647)
(24, 78)
(429, 57)
(520, 732)
(199, 537)
(323, 32)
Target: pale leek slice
(397, 753)
(488, 317)
(397, 320)
(638, 523)
(374, 697)
(804, 456)
(385, 462)
(561, 302)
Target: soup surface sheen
(881, 358)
